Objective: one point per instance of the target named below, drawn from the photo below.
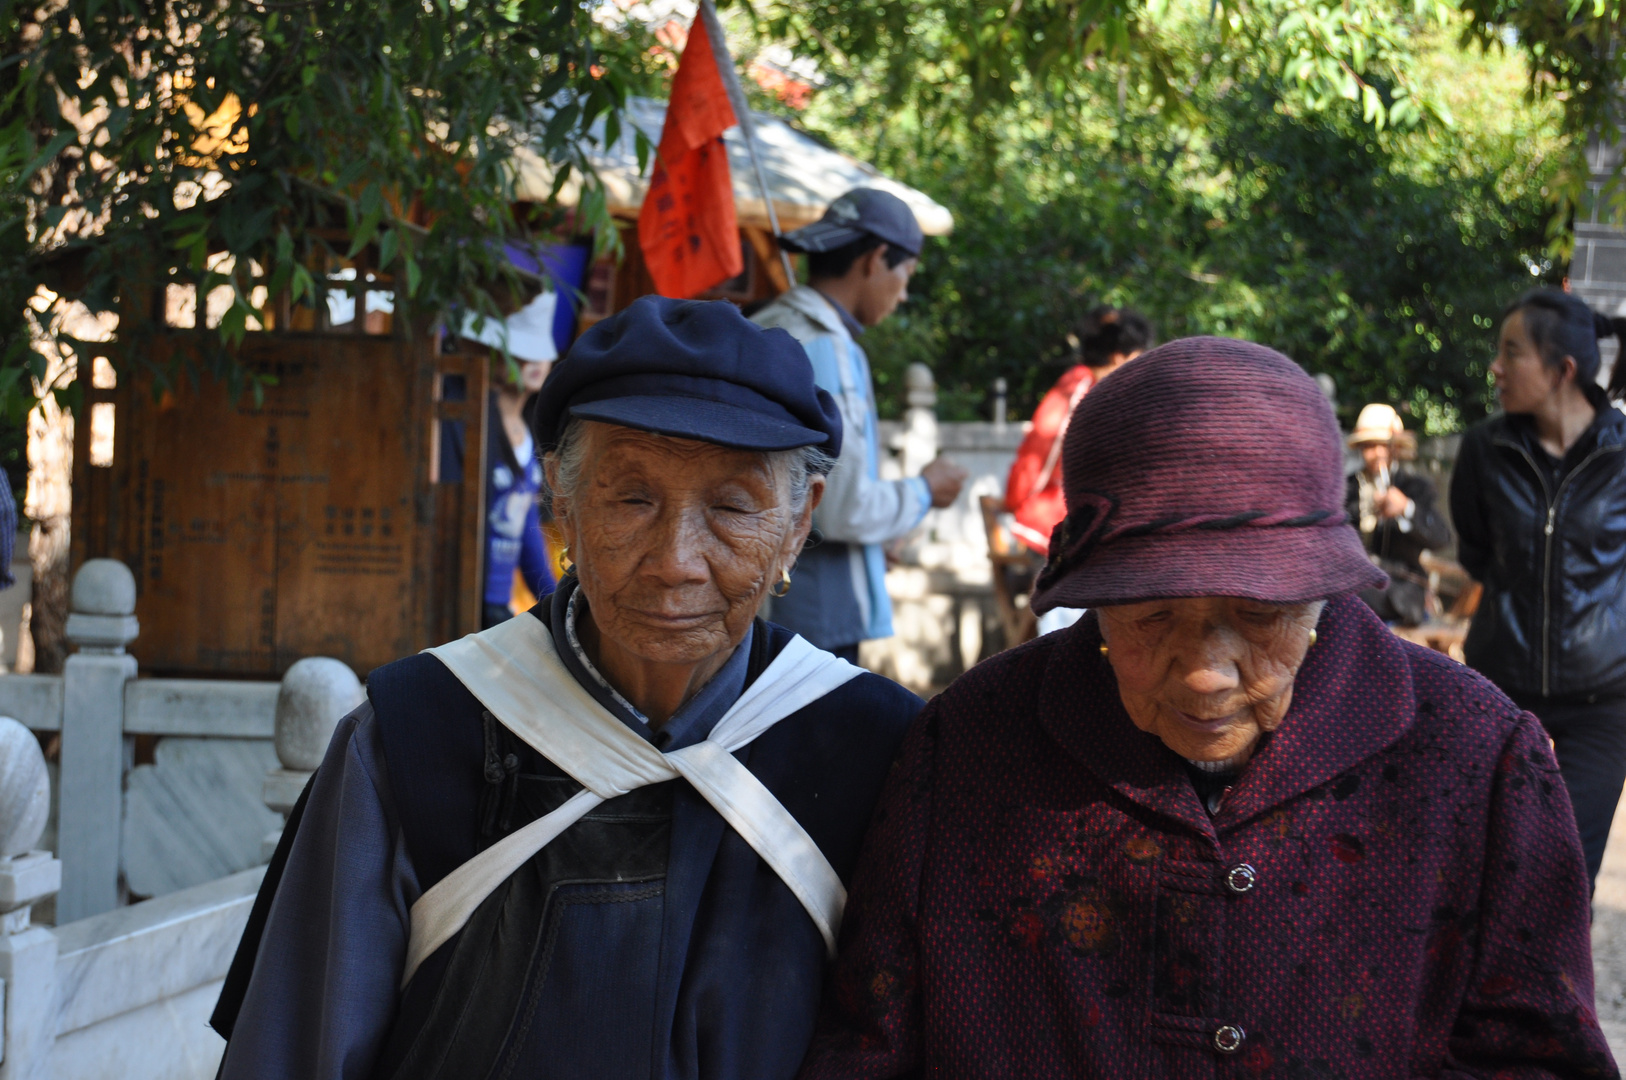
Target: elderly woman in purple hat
(609, 837)
(1228, 824)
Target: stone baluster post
(1001, 411)
(27, 953)
(919, 436)
(315, 695)
(90, 804)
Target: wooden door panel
(199, 529)
(347, 583)
(298, 526)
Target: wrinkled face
(1524, 382)
(1208, 675)
(1376, 456)
(884, 287)
(676, 541)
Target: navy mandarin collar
(693, 721)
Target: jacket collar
(692, 722)
(1610, 425)
(818, 308)
(1608, 429)
(1351, 699)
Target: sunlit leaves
(1355, 51)
(1575, 58)
(315, 132)
(1378, 256)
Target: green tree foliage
(147, 137)
(1573, 56)
(947, 58)
(150, 136)
(1378, 256)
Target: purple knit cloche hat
(1207, 467)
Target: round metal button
(1228, 1038)
(1241, 877)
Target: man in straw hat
(1394, 511)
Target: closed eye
(731, 500)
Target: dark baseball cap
(692, 369)
(859, 213)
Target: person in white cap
(513, 522)
(1395, 513)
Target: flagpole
(742, 113)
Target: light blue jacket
(838, 589)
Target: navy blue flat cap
(692, 369)
(859, 213)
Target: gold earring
(1312, 635)
(783, 586)
(564, 557)
(1103, 649)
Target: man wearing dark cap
(609, 837)
(861, 255)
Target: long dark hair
(1561, 324)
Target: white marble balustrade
(122, 995)
(135, 986)
(195, 812)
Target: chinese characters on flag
(686, 227)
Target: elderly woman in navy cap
(1227, 824)
(607, 838)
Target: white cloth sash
(515, 672)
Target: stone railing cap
(25, 788)
(103, 587)
(315, 694)
(101, 631)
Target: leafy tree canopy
(1378, 256)
(252, 145)
(954, 58)
(248, 143)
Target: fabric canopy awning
(804, 175)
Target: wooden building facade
(312, 521)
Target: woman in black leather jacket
(1538, 499)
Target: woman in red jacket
(1109, 338)
(1227, 825)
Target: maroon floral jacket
(1393, 889)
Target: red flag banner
(686, 228)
